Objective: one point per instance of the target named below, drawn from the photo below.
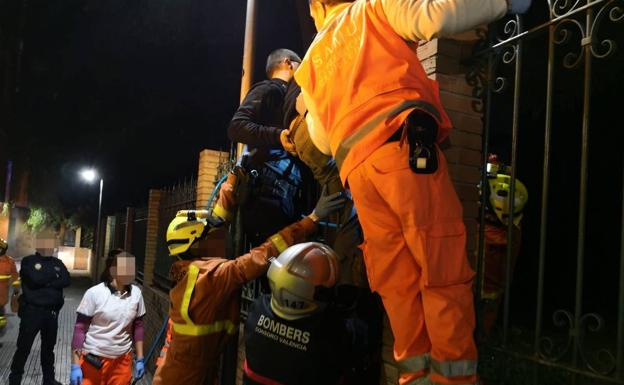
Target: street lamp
(90, 175)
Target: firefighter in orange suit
(372, 107)
(8, 278)
(497, 215)
(205, 299)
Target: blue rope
(153, 347)
(215, 191)
(157, 339)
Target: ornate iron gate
(555, 75)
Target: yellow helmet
(187, 227)
(3, 246)
(295, 276)
(500, 188)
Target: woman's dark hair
(111, 261)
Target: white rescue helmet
(295, 275)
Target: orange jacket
(8, 275)
(360, 80)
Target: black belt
(414, 117)
(37, 307)
(422, 131)
(396, 137)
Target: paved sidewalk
(67, 317)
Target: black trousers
(35, 320)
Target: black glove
(327, 204)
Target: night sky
(137, 88)
(134, 88)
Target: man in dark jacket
(275, 193)
(43, 280)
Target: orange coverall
(494, 268)
(118, 371)
(205, 302)
(360, 79)
(163, 351)
(8, 277)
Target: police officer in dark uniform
(43, 279)
(292, 338)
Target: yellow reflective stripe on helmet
(459, 368)
(17, 283)
(414, 364)
(279, 242)
(190, 328)
(2, 276)
(3, 321)
(221, 212)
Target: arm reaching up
(416, 20)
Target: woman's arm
(80, 334)
(138, 346)
(137, 336)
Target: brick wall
(441, 59)
(151, 235)
(210, 164)
(157, 305)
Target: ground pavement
(67, 317)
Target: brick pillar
(209, 165)
(441, 59)
(151, 235)
(464, 155)
(129, 227)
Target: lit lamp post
(90, 175)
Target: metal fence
(550, 86)
(181, 196)
(137, 245)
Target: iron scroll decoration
(562, 14)
(576, 25)
(477, 76)
(601, 361)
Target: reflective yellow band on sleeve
(279, 242)
(201, 330)
(221, 212)
(2, 276)
(17, 283)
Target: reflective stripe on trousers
(459, 368)
(190, 328)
